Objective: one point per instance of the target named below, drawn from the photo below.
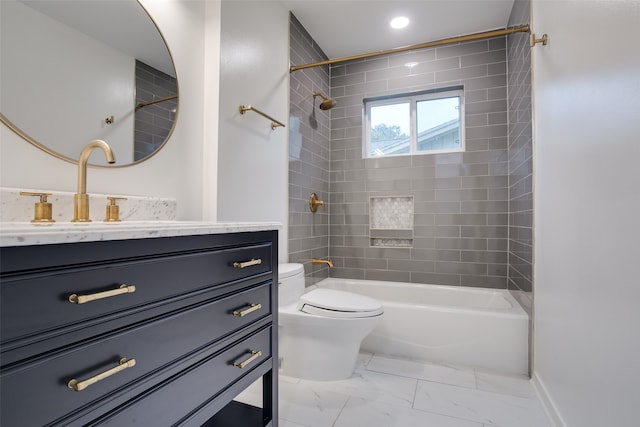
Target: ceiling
(136, 34)
(351, 27)
(339, 27)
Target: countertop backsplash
(17, 208)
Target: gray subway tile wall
(472, 209)
(461, 199)
(520, 157)
(309, 155)
(153, 123)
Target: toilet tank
(290, 283)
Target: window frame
(413, 98)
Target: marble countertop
(26, 233)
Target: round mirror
(74, 71)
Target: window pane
(390, 129)
(438, 123)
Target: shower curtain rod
(458, 39)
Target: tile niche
(391, 221)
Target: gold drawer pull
(81, 299)
(251, 308)
(81, 385)
(254, 355)
(247, 263)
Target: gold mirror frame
(24, 135)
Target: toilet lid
(334, 303)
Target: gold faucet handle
(113, 210)
(43, 211)
(314, 202)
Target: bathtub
(476, 327)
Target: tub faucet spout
(81, 199)
(328, 262)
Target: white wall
(254, 70)
(178, 170)
(586, 86)
(58, 74)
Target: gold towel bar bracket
(274, 122)
(534, 41)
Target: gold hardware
(274, 122)
(247, 263)
(316, 261)
(82, 299)
(81, 199)
(155, 101)
(469, 37)
(327, 103)
(314, 202)
(533, 40)
(113, 210)
(250, 309)
(254, 355)
(81, 385)
(43, 211)
(108, 120)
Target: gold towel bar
(155, 101)
(274, 122)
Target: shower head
(327, 103)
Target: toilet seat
(338, 304)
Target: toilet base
(310, 359)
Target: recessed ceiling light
(399, 22)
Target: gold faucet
(314, 202)
(316, 261)
(81, 199)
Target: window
(419, 123)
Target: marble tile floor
(390, 392)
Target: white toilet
(320, 331)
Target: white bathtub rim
(515, 311)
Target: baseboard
(547, 403)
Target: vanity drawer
(45, 306)
(155, 345)
(197, 385)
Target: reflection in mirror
(73, 71)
